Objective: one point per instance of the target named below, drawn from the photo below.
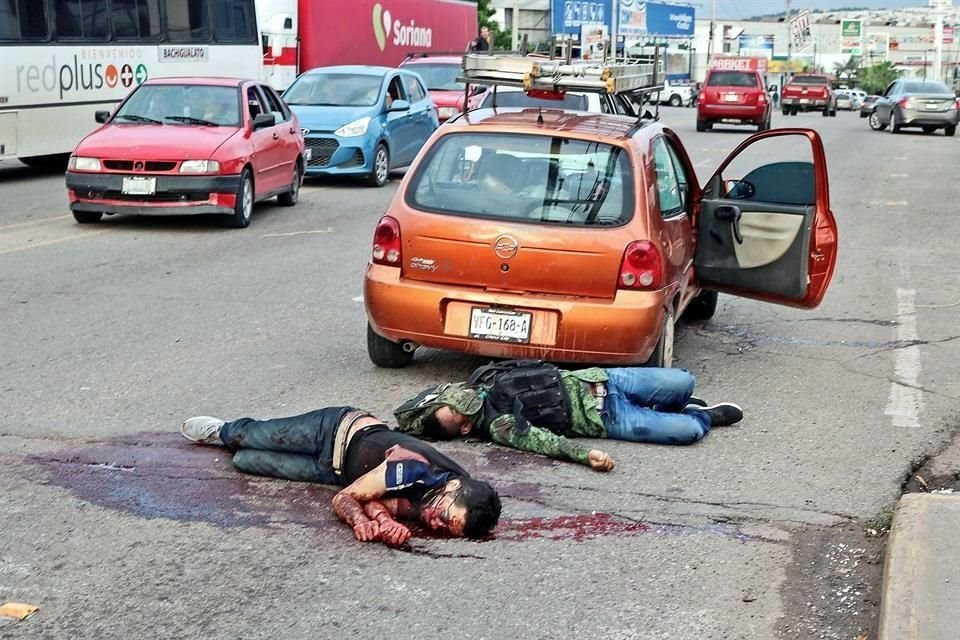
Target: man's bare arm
(391, 531)
(348, 504)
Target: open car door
(764, 225)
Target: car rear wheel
(894, 127)
(243, 209)
(386, 353)
(291, 197)
(875, 123)
(675, 100)
(833, 112)
(701, 125)
(950, 131)
(662, 355)
(702, 307)
(825, 112)
(87, 217)
(381, 167)
(785, 111)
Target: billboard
(632, 19)
(756, 46)
(669, 20)
(800, 29)
(851, 37)
(740, 63)
(568, 16)
(878, 46)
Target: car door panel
(771, 235)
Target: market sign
(740, 63)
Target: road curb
(921, 577)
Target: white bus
(62, 60)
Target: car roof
(207, 80)
(526, 120)
(356, 69)
(422, 59)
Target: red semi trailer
(302, 34)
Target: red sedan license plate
(139, 186)
(500, 325)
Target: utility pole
(938, 41)
(713, 20)
(789, 35)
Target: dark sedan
(909, 103)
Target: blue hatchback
(360, 120)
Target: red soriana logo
(404, 35)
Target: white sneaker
(202, 430)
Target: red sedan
(179, 146)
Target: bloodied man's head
(462, 507)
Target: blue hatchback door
(422, 109)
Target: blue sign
(669, 20)
(567, 16)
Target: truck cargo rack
(533, 72)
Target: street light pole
(789, 35)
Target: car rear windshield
(182, 104)
(731, 79)
(438, 76)
(808, 80)
(573, 102)
(926, 87)
(525, 178)
(334, 90)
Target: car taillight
(956, 104)
(641, 267)
(386, 242)
(906, 103)
(762, 99)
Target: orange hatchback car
(582, 237)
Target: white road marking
(890, 203)
(906, 400)
(20, 244)
(357, 299)
(703, 163)
(34, 222)
(297, 233)
(899, 175)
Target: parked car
(867, 105)
(583, 237)
(572, 100)
(362, 121)
(808, 92)
(179, 146)
(858, 97)
(733, 97)
(674, 94)
(439, 74)
(911, 103)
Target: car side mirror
(477, 89)
(264, 120)
(740, 190)
(101, 116)
(399, 105)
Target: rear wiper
(136, 118)
(191, 120)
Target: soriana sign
(740, 64)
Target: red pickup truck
(807, 92)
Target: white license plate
(731, 97)
(501, 325)
(804, 101)
(139, 186)
(932, 106)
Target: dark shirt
(368, 449)
(479, 44)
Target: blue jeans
(295, 448)
(648, 405)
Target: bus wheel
(87, 217)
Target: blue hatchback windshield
(334, 90)
(526, 178)
(182, 104)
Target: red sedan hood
(145, 141)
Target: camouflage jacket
(585, 420)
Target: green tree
(875, 78)
(502, 39)
(847, 71)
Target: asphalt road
(112, 334)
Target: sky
(741, 9)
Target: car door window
(683, 180)
(274, 104)
(255, 103)
(415, 91)
(668, 186)
(395, 91)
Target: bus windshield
(182, 104)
